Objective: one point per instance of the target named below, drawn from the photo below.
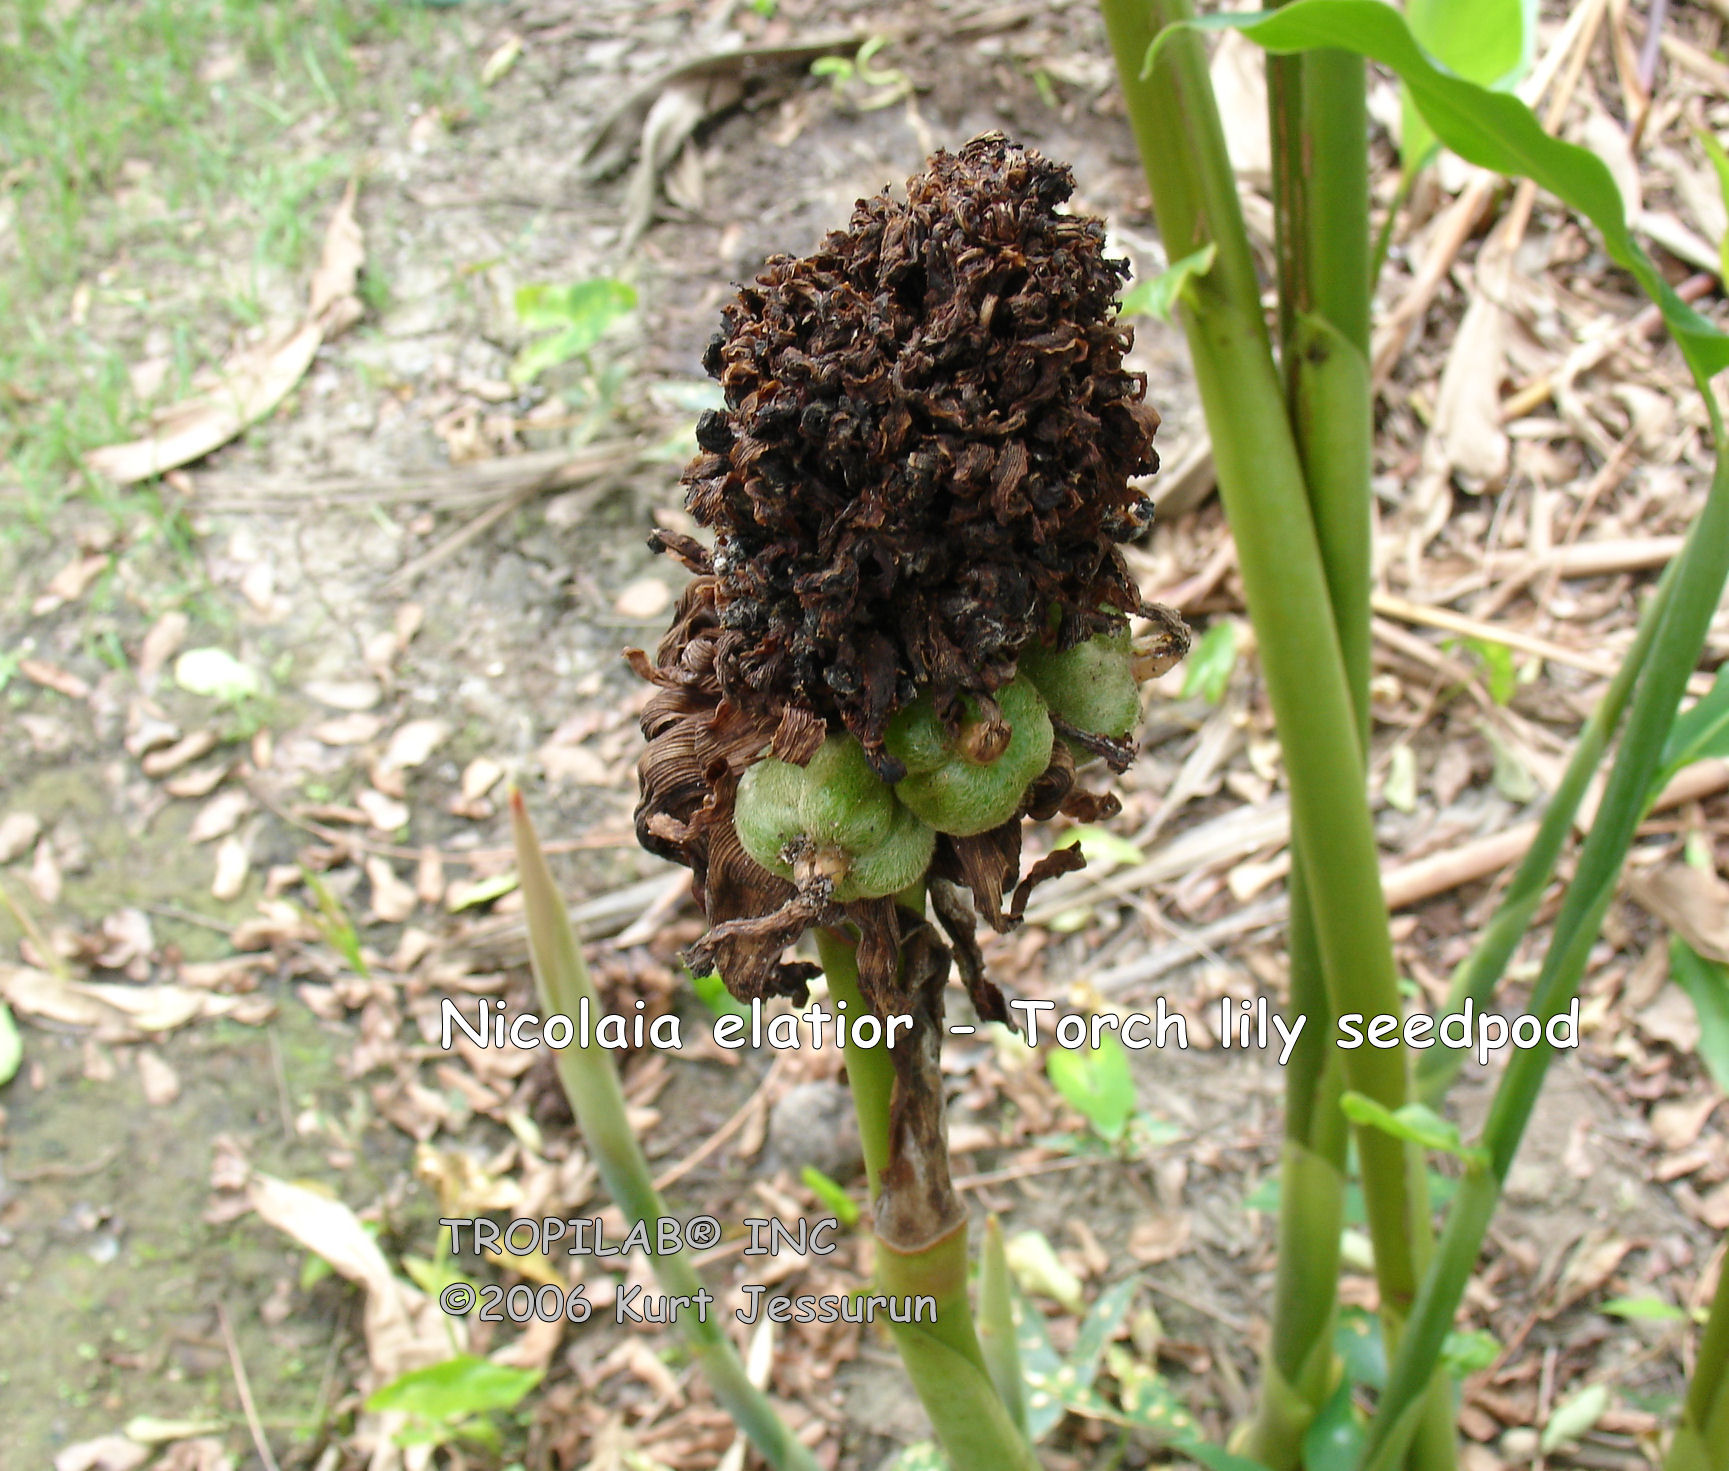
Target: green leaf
(1643, 1310)
(1098, 1328)
(452, 1390)
(1469, 1351)
(1698, 734)
(432, 1276)
(1103, 849)
(217, 674)
(1707, 986)
(486, 891)
(1490, 42)
(587, 306)
(1574, 1416)
(1720, 162)
(1498, 663)
(1097, 1083)
(999, 1339)
(11, 1046)
(1490, 129)
(831, 1194)
(1156, 296)
(1334, 1439)
(1208, 668)
(715, 996)
(1361, 1349)
(1416, 1123)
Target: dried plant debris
(915, 616)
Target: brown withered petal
(925, 450)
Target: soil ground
(286, 907)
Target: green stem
(1266, 500)
(1702, 568)
(1477, 978)
(942, 1355)
(590, 1082)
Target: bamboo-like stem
(590, 1082)
(942, 1356)
(1266, 500)
(1702, 1439)
(1699, 576)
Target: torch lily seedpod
(833, 818)
(925, 464)
(975, 778)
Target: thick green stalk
(1699, 577)
(1477, 978)
(1266, 500)
(562, 980)
(942, 1355)
(1702, 1439)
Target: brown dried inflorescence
(923, 464)
(926, 448)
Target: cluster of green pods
(836, 817)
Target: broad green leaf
(1334, 1439)
(433, 1275)
(1098, 1328)
(1497, 661)
(1574, 1416)
(1361, 1349)
(831, 1194)
(1698, 734)
(217, 674)
(452, 1390)
(1643, 1309)
(485, 891)
(1156, 296)
(1097, 1083)
(1208, 668)
(1490, 42)
(1720, 162)
(1707, 986)
(11, 1046)
(1104, 850)
(715, 996)
(587, 307)
(1469, 1351)
(1399, 790)
(1490, 129)
(1416, 1123)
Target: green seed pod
(963, 786)
(1092, 686)
(836, 814)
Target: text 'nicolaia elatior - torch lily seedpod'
(914, 619)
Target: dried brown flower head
(923, 467)
(926, 448)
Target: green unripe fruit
(836, 814)
(1092, 686)
(948, 784)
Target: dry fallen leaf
(160, 1082)
(647, 597)
(201, 781)
(392, 900)
(219, 816)
(1691, 901)
(414, 742)
(386, 814)
(119, 1012)
(254, 380)
(355, 729)
(53, 678)
(44, 876)
(344, 694)
(182, 753)
(69, 584)
(162, 643)
(18, 830)
(232, 865)
(479, 777)
(104, 1453)
(404, 1328)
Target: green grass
(166, 168)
